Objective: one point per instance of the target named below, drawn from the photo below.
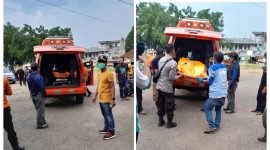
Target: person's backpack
(156, 76)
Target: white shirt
(142, 80)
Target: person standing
(217, 92)
(143, 79)
(159, 55)
(89, 76)
(8, 124)
(106, 97)
(26, 74)
(233, 79)
(261, 98)
(37, 91)
(141, 66)
(168, 73)
(121, 77)
(21, 76)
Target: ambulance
(195, 41)
(60, 63)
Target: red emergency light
(195, 23)
(58, 41)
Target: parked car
(9, 75)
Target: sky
(240, 18)
(116, 18)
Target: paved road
(71, 126)
(239, 131)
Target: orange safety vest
(7, 91)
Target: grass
(251, 67)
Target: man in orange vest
(8, 124)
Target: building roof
(129, 54)
(109, 42)
(241, 40)
(259, 33)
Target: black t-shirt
(263, 80)
(121, 70)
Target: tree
(19, 42)
(130, 40)
(215, 18)
(153, 18)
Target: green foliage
(19, 42)
(130, 40)
(152, 18)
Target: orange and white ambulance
(195, 41)
(60, 64)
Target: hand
(113, 103)
(143, 58)
(178, 72)
(94, 99)
(200, 79)
(264, 90)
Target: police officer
(37, 90)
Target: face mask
(101, 66)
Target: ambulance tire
(79, 98)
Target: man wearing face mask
(106, 97)
(217, 92)
(168, 74)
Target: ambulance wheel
(79, 98)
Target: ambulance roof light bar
(196, 19)
(58, 37)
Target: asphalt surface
(71, 126)
(238, 131)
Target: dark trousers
(137, 134)
(8, 126)
(106, 111)
(22, 81)
(139, 99)
(123, 86)
(231, 97)
(166, 104)
(264, 122)
(261, 101)
(39, 104)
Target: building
(254, 46)
(111, 49)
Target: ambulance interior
(60, 70)
(194, 49)
(193, 55)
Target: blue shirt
(234, 74)
(36, 83)
(155, 63)
(217, 81)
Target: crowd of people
(104, 95)
(222, 81)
